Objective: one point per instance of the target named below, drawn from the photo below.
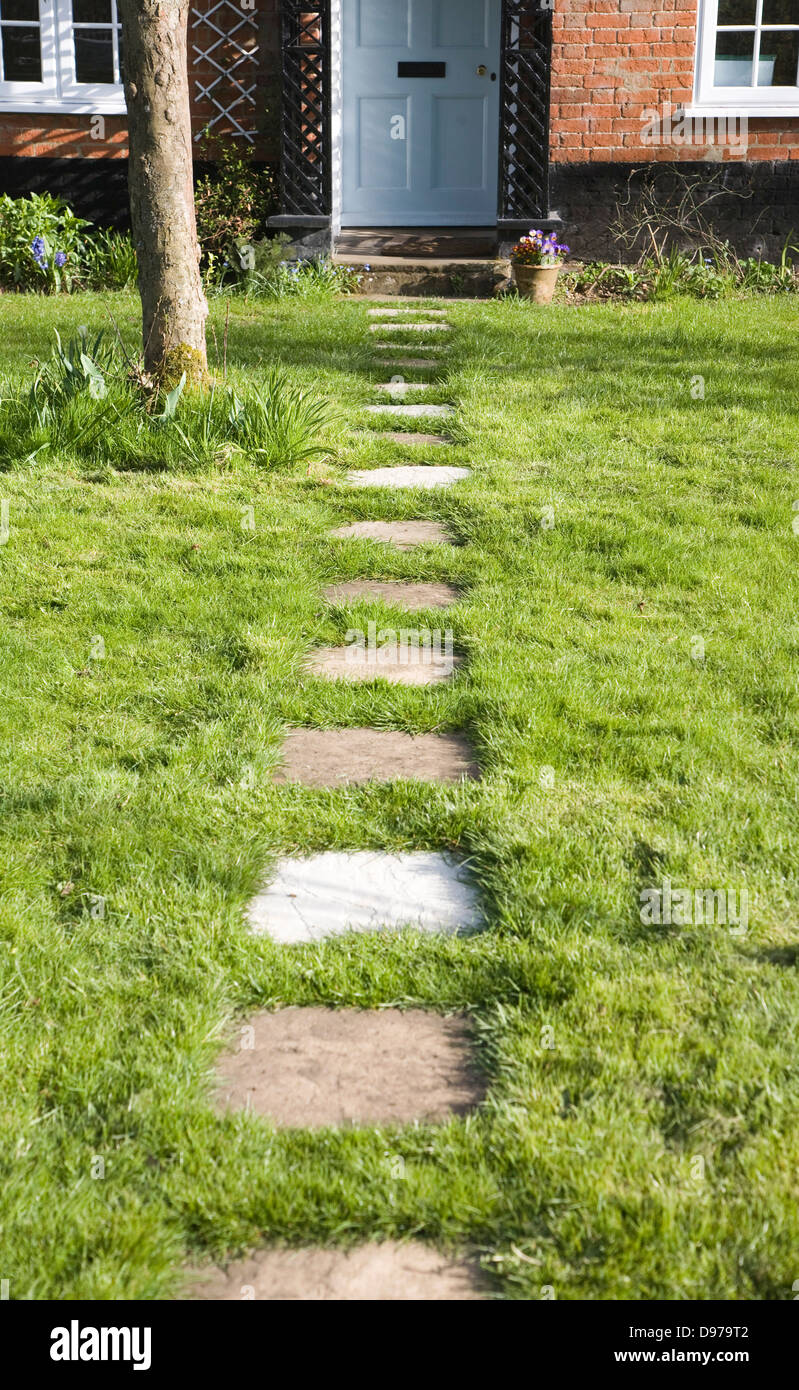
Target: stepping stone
(343, 757)
(412, 597)
(387, 1272)
(408, 475)
(414, 412)
(406, 437)
(411, 362)
(403, 535)
(392, 662)
(410, 327)
(307, 1068)
(399, 388)
(326, 895)
(440, 349)
(397, 313)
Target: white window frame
(59, 90)
(741, 101)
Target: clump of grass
(87, 402)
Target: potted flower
(536, 261)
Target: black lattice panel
(524, 147)
(306, 108)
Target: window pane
(779, 58)
(94, 55)
(19, 9)
(91, 11)
(734, 60)
(781, 11)
(22, 55)
(737, 11)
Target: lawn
(640, 1138)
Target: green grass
(143, 779)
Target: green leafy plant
(108, 260)
(40, 242)
(232, 201)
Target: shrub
(40, 242)
(275, 278)
(232, 203)
(45, 247)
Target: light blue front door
(420, 87)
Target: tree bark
(174, 308)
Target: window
(748, 58)
(61, 55)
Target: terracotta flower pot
(536, 282)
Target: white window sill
(113, 106)
(739, 109)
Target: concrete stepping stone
(393, 313)
(400, 388)
(308, 1068)
(410, 362)
(344, 757)
(408, 475)
(325, 895)
(403, 535)
(387, 1272)
(412, 412)
(412, 597)
(410, 327)
(440, 349)
(408, 437)
(392, 662)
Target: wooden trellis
(224, 42)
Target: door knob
(482, 70)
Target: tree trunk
(174, 309)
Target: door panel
(420, 150)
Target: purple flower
(60, 258)
(37, 247)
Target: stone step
(384, 1272)
(410, 327)
(408, 475)
(345, 757)
(412, 412)
(394, 592)
(392, 662)
(329, 894)
(403, 535)
(387, 312)
(401, 388)
(408, 437)
(306, 1068)
(409, 362)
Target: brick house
(492, 114)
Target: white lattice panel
(227, 41)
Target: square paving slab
(389, 661)
(409, 362)
(440, 349)
(387, 1272)
(307, 1068)
(329, 894)
(403, 535)
(340, 757)
(400, 388)
(410, 327)
(411, 411)
(409, 309)
(408, 475)
(406, 437)
(402, 594)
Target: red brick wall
(614, 59)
